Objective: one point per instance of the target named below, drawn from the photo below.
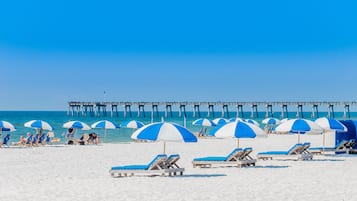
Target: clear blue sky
(52, 52)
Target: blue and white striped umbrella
(76, 125)
(132, 124)
(38, 124)
(299, 126)
(235, 119)
(219, 121)
(6, 126)
(203, 122)
(252, 121)
(272, 121)
(329, 124)
(239, 129)
(163, 131)
(105, 124)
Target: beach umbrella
(203, 122)
(38, 124)
(299, 126)
(76, 125)
(329, 124)
(219, 121)
(104, 124)
(235, 119)
(270, 120)
(132, 124)
(6, 126)
(284, 120)
(252, 121)
(163, 131)
(239, 129)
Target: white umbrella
(218, 121)
(252, 121)
(132, 124)
(6, 126)
(77, 125)
(299, 126)
(104, 124)
(329, 124)
(271, 120)
(239, 129)
(166, 132)
(203, 122)
(38, 124)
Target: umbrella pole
(299, 137)
(105, 132)
(164, 147)
(237, 142)
(323, 143)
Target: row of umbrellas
(103, 124)
(164, 131)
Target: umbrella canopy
(271, 120)
(219, 121)
(239, 129)
(252, 121)
(203, 122)
(235, 119)
(132, 124)
(76, 125)
(105, 124)
(163, 131)
(299, 126)
(6, 126)
(284, 120)
(329, 124)
(38, 124)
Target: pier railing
(100, 108)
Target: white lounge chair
(156, 166)
(295, 152)
(340, 147)
(232, 159)
(171, 166)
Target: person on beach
(70, 136)
(22, 141)
(93, 138)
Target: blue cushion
(274, 153)
(211, 158)
(131, 167)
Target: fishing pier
(76, 108)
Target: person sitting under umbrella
(93, 138)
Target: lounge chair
(340, 147)
(295, 152)
(247, 158)
(156, 166)
(234, 158)
(29, 140)
(171, 165)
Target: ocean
(58, 118)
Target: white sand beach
(81, 173)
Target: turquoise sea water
(57, 118)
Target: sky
(52, 52)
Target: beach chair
(295, 152)
(247, 158)
(29, 140)
(156, 166)
(350, 147)
(6, 140)
(232, 159)
(339, 148)
(171, 165)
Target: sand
(81, 173)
